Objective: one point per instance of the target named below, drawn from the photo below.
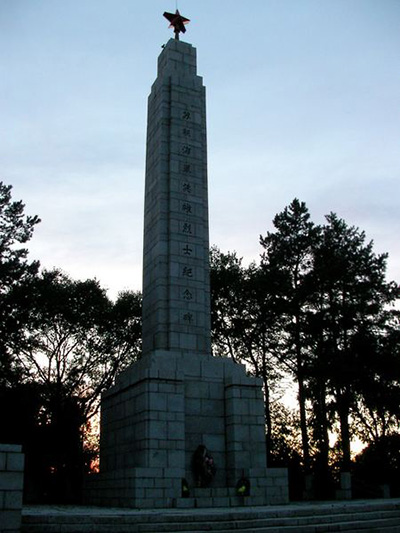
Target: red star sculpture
(177, 22)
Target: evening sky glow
(302, 101)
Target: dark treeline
(316, 313)
(62, 342)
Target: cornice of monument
(177, 57)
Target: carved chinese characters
(175, 262)
(187, 271)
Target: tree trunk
(321, 438)
(343, 411)
(303, 423)
(268, 422)
(302, 397)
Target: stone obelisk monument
(176, 303)
(178, 397)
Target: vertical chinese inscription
(175, 264)
(187, 271)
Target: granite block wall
(177, 396)
(11, 487)
(157, 414)
(176, 293)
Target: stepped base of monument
(361, 516)
(228, 497)
(150, 488)
(160, 411)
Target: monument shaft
(176, 301)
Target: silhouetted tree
(378, 464)
(76, 338)
(75, 341)
(288, 256)
(377, 411)
(319, 308)
(244, 321)
(227, 303)
(286, 447)
(15, 230)
(352, 296)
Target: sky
(302, 101)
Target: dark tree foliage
(49, 428)
(376, 465)
(73, 343)
(226, 284)
(75, 338)
(244, 322)
(16, 229)
(288, 257)
(286, 447)
(62, 342)
(318, 308)
(351, 309)
(377, 412)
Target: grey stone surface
(177, 396)
(344, 492)
(377, 516)
(176, 310)
(150, 446)
(11, 486)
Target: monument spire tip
(177, 22)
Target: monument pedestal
(156, 415)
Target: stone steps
(220, 497)
(360, 516)
(263, 524)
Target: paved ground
(118, 511)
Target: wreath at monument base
(243, 487)
(185, 488)
(203, 467)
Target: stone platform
(156, 415)
(380, 516)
